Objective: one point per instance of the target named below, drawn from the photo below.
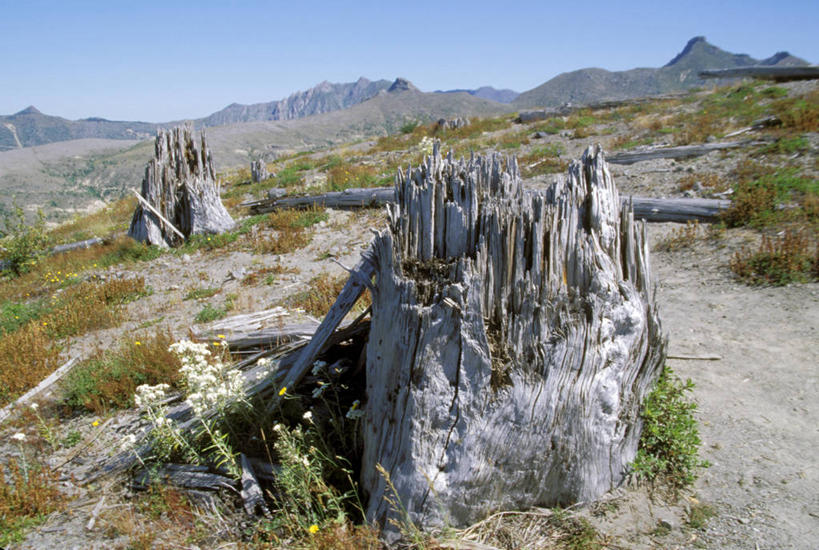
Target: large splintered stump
(514, 336)
(180, 186)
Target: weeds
(109, 378)
(290, 227)
(670, 439)
(543, 160)
(200, 293)
(680, 237)
(699, 514)
(779, 260)
(210, 313)
(27, 494)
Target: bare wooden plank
(779, 74)
(88, 243)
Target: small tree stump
(514, 336)
(258, 171)
(180, 184)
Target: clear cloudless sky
(166, 60)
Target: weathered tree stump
(513, 339)
(258, 171)
(180, 186)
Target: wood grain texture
(513, 338)
(180, 184)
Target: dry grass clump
(114, 217)
(322, 294)
(681, 237)
(710, 181)
(347, 175)
(27, 355)
(90, 306)
(27, 494)
(537, 528)
(164, 517)
(291, 230)
(779, 260)
(542, 160)
(267, 274)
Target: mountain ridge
(682, 72)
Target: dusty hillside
(751, 350)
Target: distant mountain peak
(689, 47)
(30, 110)
(401, 85)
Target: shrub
(670, 440)
(24, 243)
(322, 294)
(778, 261)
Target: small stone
(186, 258)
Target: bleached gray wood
(678, 210)
(645, 208)
(252, 496)
(506, 372)
(87, 243)
(180, 186)
(258, 171)
(779, 74)
(189, 476)
(680, 152)
(349, 198)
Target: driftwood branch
(779, 74)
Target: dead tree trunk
(179, 186)
(258, 170)
(513, 339)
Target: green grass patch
(210, 313)
(670, 441)
(199, 293)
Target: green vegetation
(779, 260)
(199, 293)
(760, 196)
(670, 440)
(22, 244)
(109, 378)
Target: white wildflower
(19, 437)
(34, 406)
(308, 416)
(278, 427)
(263, 362)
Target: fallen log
(645, 208)
(349, 198)
(681, 152)
(188, 476)
(513, 339)
(779, 74)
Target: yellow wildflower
(137, 343)
(313, 529)
(282, 391)
(95, 423)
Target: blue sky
(159, 61)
